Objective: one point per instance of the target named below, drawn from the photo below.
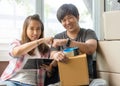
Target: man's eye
(70, 17)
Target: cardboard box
(111, 24)
(75, 72)
(113, 79)
(108, 56)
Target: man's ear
(78, 18)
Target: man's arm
(89, 47)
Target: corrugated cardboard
(75, 72)
(108, 56)
(113, 79)
(111, 25)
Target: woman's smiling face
(34, 30)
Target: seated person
(32, 45)
(73, 36)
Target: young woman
(32, 45)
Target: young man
(74, 36)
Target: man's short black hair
(67, 9)
(119, 1)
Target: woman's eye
(38, 28)
(31, 28)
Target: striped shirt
(15, 66)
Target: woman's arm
(25, 48)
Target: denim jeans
(15, 83)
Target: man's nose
(67, 21)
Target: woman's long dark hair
(43, 48)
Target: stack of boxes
(108, 53)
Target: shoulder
(16, 42)
(86, 30)
(90, 30)
(88, 34)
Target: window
(15, 12)
(53, 26)
(12, 15)
(111, 5)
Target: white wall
(4, 55)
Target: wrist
(37, 42)
(53, 63)
(68, 42)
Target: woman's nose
(35, 31)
